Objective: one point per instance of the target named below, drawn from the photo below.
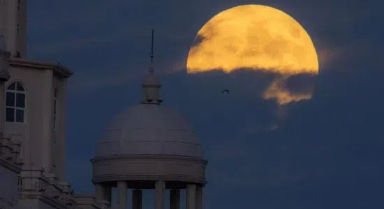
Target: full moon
(259, 38)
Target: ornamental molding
(100, 159)
(154, 177)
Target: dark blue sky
(326, 153)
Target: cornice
(56, 67)
(180, 178)
(99, 159)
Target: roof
(149, 129)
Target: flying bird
(225, 90)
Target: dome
(149, 129)
(147, 143)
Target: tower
(32, 116)
(13, 22)
(37, 118)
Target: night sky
(327, 152)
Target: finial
(151, 83)
(152, 67)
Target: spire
(151, 83)
(152, 56)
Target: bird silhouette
(225, 90)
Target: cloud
(285, 91)
(328, 55)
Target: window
(54, 108)
(15, 103)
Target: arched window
(15, 103)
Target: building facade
(33, 98)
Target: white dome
(149, 129)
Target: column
(199, 197)
(100, 193)
(175, 199)
(137, 198)
(159, 194)
(2, 105)
(122, 195)
(108, 194)
(191, 196)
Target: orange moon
(254, 37)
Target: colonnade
(194, 196)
